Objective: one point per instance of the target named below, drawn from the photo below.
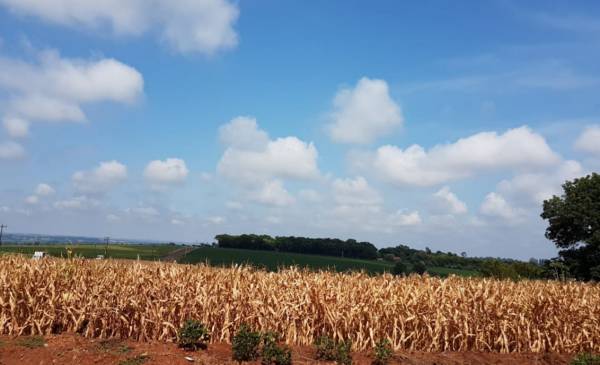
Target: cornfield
(149, 301)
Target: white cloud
(402, 219)
(77, 203)
(355, 192)
(32, 199)
(170, 171)
(494, 205)
(10, 150)
(4, 209)
(589, 140)
(515, 149)
(534, 188)
(44, 190)
(243, 133)
(113, 218)
(272, 193)
(449, 202)
(364, 113)
(216, 220)
(55, 89)
(101, 179)
(310, 195)
(177, 222)
(143, 211)
(204, 26)
(16, 127)
(252, 163)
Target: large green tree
(574, 225)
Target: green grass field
(271, 260)
(146, 252)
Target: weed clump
(272, 352)
(245, 344)
(330, 350)
(382, 352)
(193, 335)
(586, 359)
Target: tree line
(313, 246)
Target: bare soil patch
(67, 349)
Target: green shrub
(343, 353)
(399, 268)
(382, 352)
(419, 268)
(330, 350)
(586, 359)
(326, 349)
(193, 335)
(245, 344)
(273, 353)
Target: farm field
(127, 251)
(149, 301)
(272, 260)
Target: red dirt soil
(76, 350)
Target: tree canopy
(574, 225)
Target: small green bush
(343, 353)
(193, 335)
(245, 344)
(330, 350)
(419, 268)
(273, 353)
(399, 268)
(586, 359)
(382, 352)
(326, 349)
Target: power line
(2, 226)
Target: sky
(440, 124)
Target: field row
(150, 300)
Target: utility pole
(106, 240)
(2, 226)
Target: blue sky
(440, 124)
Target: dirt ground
(76, 350)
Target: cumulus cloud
(494, 205)
(250, 163)
(403, 219)
(243, 133)
(44, 190)
(272, 193)
(448, 202)
(364, 113)
(170, 171)
(355, 192)
(16, 127)
(10, 150)
(54, 89)
(534, 188)
(515, 149)
(101, 179)
(32, 200)
(589, 140)
(204, 26)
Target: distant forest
(406, 259)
